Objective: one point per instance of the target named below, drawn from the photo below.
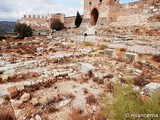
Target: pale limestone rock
(86, 68)
(34, 101)
(37, 117)
(25, 97)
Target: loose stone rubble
(46, 78)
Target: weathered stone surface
(34, 101)
(25, 97)
(20, 87)
(12, 91)
(131, 56)
(37, 117)
(41, 49)
(110, 52)
(16, 103)
(151, 87)
(98, 75)
(4, 78)
(86, 68)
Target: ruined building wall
(106, 12)
(137, 13)
(112, 13)
(59, 16)
(69, 21)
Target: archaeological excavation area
(103, 70)
(63, 78)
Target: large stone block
(151, 87)
(110, 52)
(86, 68)
(12, 91)
(131, 56)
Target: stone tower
(100, 13)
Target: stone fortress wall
(111, 12)
(41, 22)
(35, 20)
(138, 13)
(104, 13)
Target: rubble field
(66, 79)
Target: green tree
(78, 20)
(23, 30)
(57, 25)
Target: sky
(11, 10)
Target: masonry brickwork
(104, 13)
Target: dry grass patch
(103, 46)
(88, 43)
(78, 115)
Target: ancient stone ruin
(75, 74)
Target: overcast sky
(11, 10)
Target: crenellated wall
(41, 22)
(105, 13)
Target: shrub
(88, 43)
(23, 30)
(103, 46)
(57, 25)
(126, 102)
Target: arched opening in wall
(94, 17)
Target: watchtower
(100, 13)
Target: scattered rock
(110, 52)
(131, 56)
(12, 91)
(151, 87)
(25, 97)
(63, 103)
(86, 68)
(20, 88)
(41, 49)
(4, 78)
(16, 103)
(37, 117)
(34, 101)
(94, 108)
